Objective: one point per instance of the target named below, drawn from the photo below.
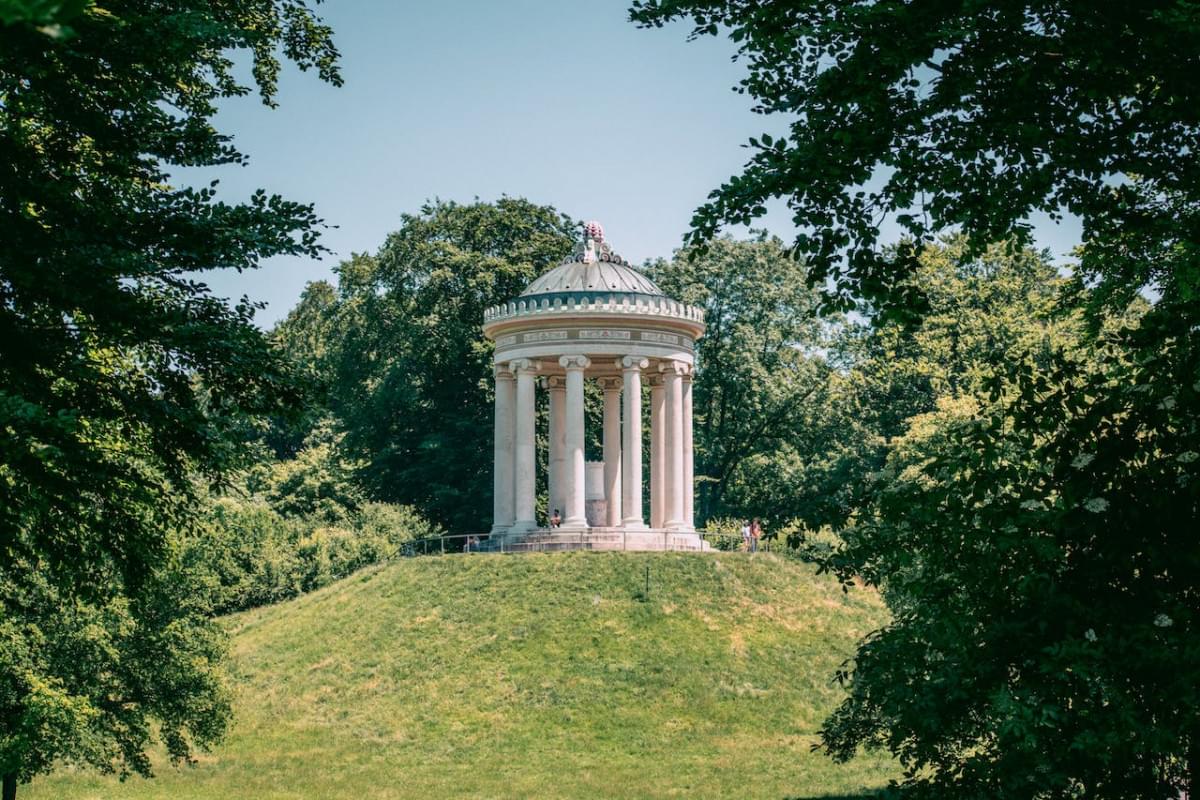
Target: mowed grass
(539, 676)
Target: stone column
(558, 441)
(502, 476)
(524, 476)
(612, 451)
(631, 461)
(575, 515)
(689, 478)
(657, 399)
(673, 444)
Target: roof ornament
(593, 245)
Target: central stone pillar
(525, 479)
(612, 450)
(558, 441)
(673, 444)
(502, 477)
(574, 515)
(631, 461)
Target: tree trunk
(10, 787)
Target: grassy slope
(534, 676)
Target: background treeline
(795, 412)
(291, 526)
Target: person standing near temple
(755, 534)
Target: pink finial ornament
(594, 230)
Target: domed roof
(593, 267)
(593, 283)
(578, 276)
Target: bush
(248, 554)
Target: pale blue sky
(560, 101)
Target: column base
(575, 523)
(522, 526)
(634, 524)
(498, 529)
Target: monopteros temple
(594, 317)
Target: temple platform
(564, 539)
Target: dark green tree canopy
(414, 374)
(1007, 527)
(1037, 547)
(122, 379)
(760, 366)
(965, 114)
(981, 310)
(103, 325)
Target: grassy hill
(534, 676)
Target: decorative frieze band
(594, 335)
(543, 336)
(603, 333)
(661, 338)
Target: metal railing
(541, 541)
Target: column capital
(632, 362)
(671, 366)
(574, 362)
(609, 384)
(556, 383)
(503, 371)
(523, 365)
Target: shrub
(247, 554)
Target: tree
(414, 371)
(981, 309)
(760, 369)
(1038, 550)
(958, 115)
(122, 380)
(305, 337)
(1064, 494)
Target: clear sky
(562, 102)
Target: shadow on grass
(867, 796)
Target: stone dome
(596, 285)
(596, 276)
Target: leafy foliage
(1070, 500)
(760, 368)
(249, 554)
(982, 310)
(81, 679)
(304, 338)
(50, 16)
(1046, 632)
(121, 377)
(414, 372)
(963, 115)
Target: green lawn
(534, 676)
